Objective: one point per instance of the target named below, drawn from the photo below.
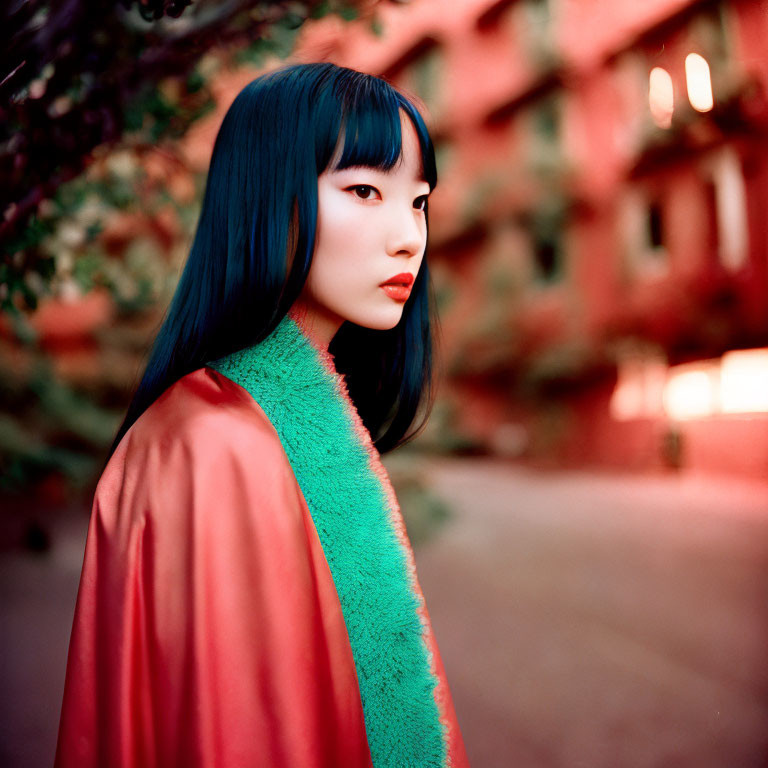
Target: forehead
(370, 152)
(410, 157)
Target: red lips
(404, 278)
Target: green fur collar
(360, 528)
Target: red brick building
(598, 237)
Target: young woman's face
(371, 227)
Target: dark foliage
(78, 74)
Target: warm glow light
(627, 398)
(744, 381)
(638, 391)
(661, 97)
(691, 391)
(698, 82)
(735, 383)
(655, 379)
(731, 204)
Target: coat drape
(208, 631)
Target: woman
(249, 595)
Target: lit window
(698, 82)
(737, 383)
(692, 390)
(640, 387)
(661, 97)
(744, 381)
(728, 209)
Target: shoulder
(205, 410)
(203, 433)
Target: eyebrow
(420, 178)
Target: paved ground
(584, 620)
(602, 621)
(37, 600)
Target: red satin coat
(208, 632)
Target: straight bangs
(367, 130)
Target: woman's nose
(408, 233)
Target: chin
(380, 321)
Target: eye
(421, 202)
(365, 188)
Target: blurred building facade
(598, 237)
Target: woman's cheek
(338, 233)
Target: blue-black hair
(255, 238)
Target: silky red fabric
(207, 630)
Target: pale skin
(371, 225)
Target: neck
(319, 329)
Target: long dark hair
(256, 233)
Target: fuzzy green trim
(307, 403)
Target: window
(712, 233)
(419, 72)
(424, 74)
(547, 119)
(546, 254)
(445, 157)
(547, 247)
(709, 36)
(642, 234)
(543, 124)
(655, 234)
(726, 201)
(537, 26)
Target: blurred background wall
(598, 235)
